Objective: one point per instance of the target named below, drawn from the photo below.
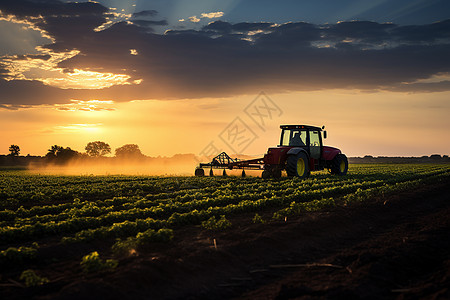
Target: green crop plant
(216, 224)
(93, 263)
(141, 240)
(32, 279)
(257, 219)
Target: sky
(197, 76)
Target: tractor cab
(306, 137)
(296, 138)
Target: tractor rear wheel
(339, 165)
(199, 172)
(298, 165)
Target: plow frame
(224, 161)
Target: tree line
(95, 149)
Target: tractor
(300, 151)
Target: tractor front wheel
(339, 165)
(298, 165)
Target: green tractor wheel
(297, 165)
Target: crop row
(164, 211)
(178, 201)
(29, 190)
(79, 206)
(172, 213)
(184, 201)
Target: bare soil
(395, 247)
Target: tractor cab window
(314, 144)
(293, 137)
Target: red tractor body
(278, 155)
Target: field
(180, 237)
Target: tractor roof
(300, 127)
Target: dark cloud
(30, 56)
(246, 27)
(3, 72)
(219, 26)
(145, 13)
(441, 86)
(14, 107)
(146, 23)
(370, 32)
(47, 8)
(224, 59)
(27, 92)
(66, 23)
(423, 33)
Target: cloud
(91, 105)
(74, 128)
(217, 60)
(213, 15)
(13, 107)
(146, 23)
(145, 13)
(35, 8)
(194, 19)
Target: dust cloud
(177, 165)
(182, 165)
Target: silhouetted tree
(53, 149)
(59, 154)
(129, 151)
(97, 149)
(65, 154)
(15, 150)
(51, 154)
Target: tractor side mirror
(325, 134)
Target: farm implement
(300, 151)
